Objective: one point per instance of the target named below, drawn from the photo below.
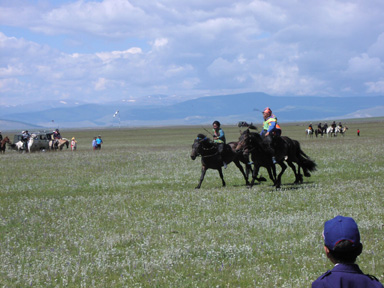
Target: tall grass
(129, 216)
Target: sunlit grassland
(129, 216)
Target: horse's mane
(201, 136)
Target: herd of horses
(326, 131)
(286, 151)
(20, 146)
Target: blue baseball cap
(341, 228)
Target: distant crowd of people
(96, 143)
(54, 139)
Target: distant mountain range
(159, 110)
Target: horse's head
(196, 145)
(243, 141)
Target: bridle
(201, 147)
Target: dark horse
(210, 159)
(286, 150)
(3, 143)
(319, 131)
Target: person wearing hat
(73, 144)
(24, 138)
(270, 128)
(333, 125)
(56, 136)
(342, 246)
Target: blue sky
(107, 50)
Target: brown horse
(3, 144)
(210, 158)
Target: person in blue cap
(342, 246)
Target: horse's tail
(305, 161)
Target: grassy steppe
(129, 216)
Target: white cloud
(130, 47)
(365, 66)
(101, 84)
(9, 84)
(10, 71)
(110, 56)
(375, 87)
(160, 42)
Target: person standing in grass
(342, 246)
(94, 145)
(73, 144)
(358, 132)
(99, 141)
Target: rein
(247, 144)
(206, 149)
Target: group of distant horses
(251, 144)
(329, 131)
(21, 146)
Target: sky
(112, 50)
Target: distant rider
(56, 136)
(270, 129)
(341, 127)
(333, 127)
(24, 138)
(325, 127)
(219, 139)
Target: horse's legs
(203, 170)
(278, 179)
(222, 176)
(248, 169)
(255, 171)
(298, 176)
(238, 165)
(272, 174)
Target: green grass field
(129, 216)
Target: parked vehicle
(40, 141)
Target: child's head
(342, 239)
